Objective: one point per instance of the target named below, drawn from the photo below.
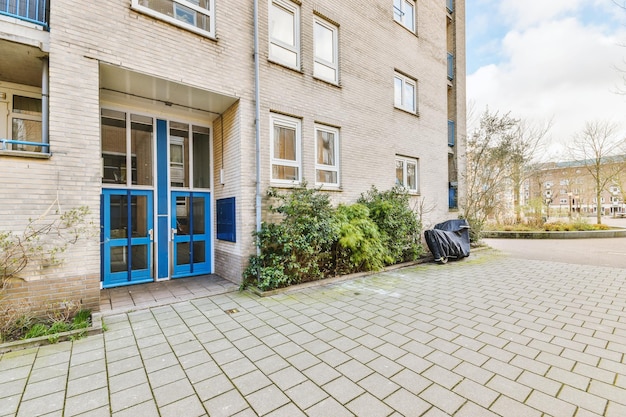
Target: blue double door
(156, 233)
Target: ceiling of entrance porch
(170, 93)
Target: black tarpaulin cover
(449, 239)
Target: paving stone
(267, 399)
(146, 408)
(287, 377)
(378, 385)
(366, 405)
(328, 407)
(442, 398)
(172, 392)
(477, 393)
(306, 394)
(550, 405)
(86, 402)
(127, 380)
(289, 410)
(128, 398)
(251, 382)
(407, 404)
(187, 407)
(213, 387)
(44, 404)
(321, 373)
(583, 400)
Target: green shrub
(311, 240)
(299, 248)
(360, 246)
(398, 225)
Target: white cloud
(521, 14)
(558, 69)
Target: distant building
(149, 113)
(568, 187)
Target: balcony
(451, 133)
(450, 66)
(33, 11)
(450, 5)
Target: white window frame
(334, 65)
(405, 161)
(210, 13)
(400, 14)
(295, 9)
(402, 103)
(325, 167)
(292, 123)
(12, 115)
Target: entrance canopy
(170, 93)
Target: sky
(548, 61)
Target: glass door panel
(190, 233)
(127, 237)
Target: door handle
(173, 232)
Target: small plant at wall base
(40, 244)
(312, 240)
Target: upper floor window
(326, 155)
(325, 42)
(284, 30)
(285, 134)
(404, 13)
(405, 93)
(406, 173)
(195, 15)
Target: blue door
(127, 237)
(191, 237)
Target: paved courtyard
(486, 336)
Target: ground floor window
(285, 148)
(326, 155)
(407, 173)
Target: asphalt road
(602, 252)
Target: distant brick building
(146, 112)
(568, 187)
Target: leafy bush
(298, 249)
(360, 246)
(312, 240)
(398, 225)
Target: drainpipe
(45, 94)
(257, 123)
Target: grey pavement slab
(487, 336)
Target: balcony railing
(33, 11)
(450, 66)
(450, 5)
(451, 133)
(20, 145)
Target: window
(405, 93)
(284, 29)
(285, 149)
(404, 13)
(563, 201)
(326, 155)
(25, 120)
(326, 56)
(406, 173)
(126, 142)
(195, 15)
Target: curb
(583, 234)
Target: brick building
(567, 188)
(156, 115)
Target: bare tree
(598, 149)
(487, 167)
